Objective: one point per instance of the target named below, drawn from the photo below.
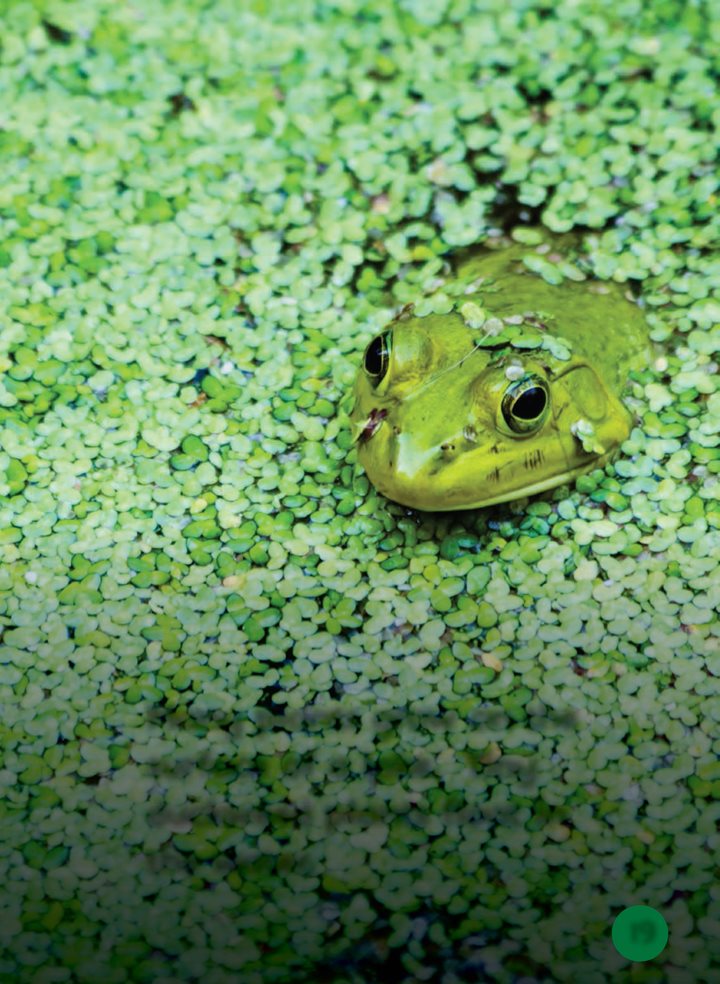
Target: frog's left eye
(525, 404)
(377, 356)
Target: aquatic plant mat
(257, 723)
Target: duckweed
(257, 722)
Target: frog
(519, 388)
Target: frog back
(601, 323)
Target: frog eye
(377, 356)
(525, 404)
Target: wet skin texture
(444, 423)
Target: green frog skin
(516, 391)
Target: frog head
(443, 423)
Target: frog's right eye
(377, 356)
(526, 403)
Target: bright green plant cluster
(256, 722)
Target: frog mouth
(470, 479)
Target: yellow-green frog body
(515, 391)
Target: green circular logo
(639, 933)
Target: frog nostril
(373, 422)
